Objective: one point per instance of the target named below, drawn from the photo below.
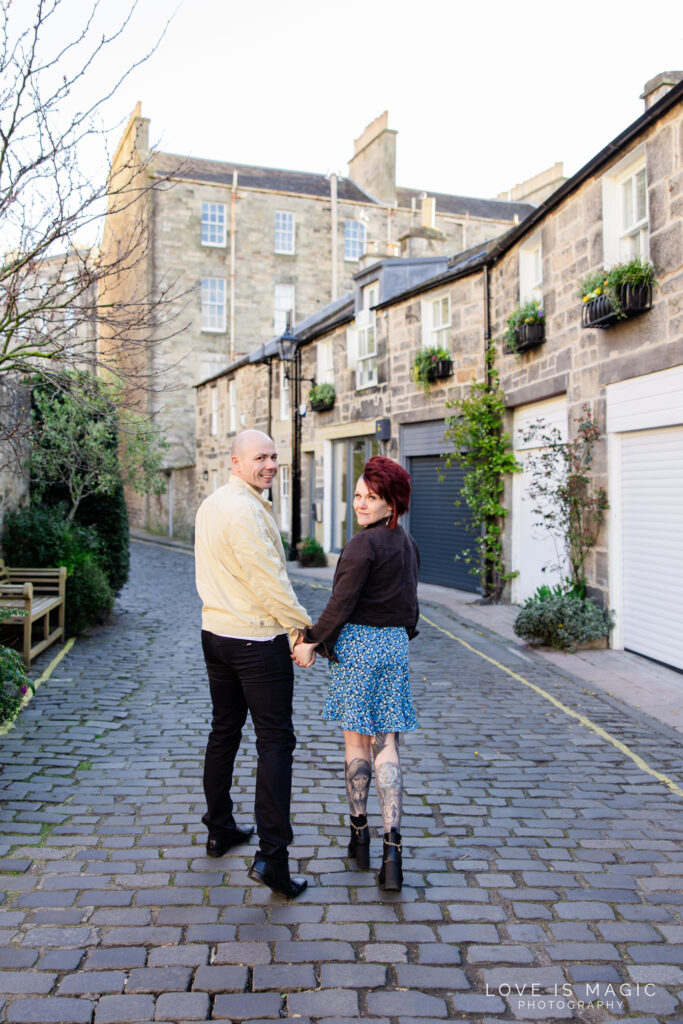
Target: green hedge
(108, 517)
(89, 598)
(14, 683)
(41, 537)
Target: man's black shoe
(277, 879)
(221, 842)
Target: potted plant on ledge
(525, 327)
(321, 397)
(430, 364)
(619, 293)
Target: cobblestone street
(543, 859)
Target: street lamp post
(290, 354)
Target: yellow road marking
(28, 696)
(637, 760)
(643, 765)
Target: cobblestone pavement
(544, 865)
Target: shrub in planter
(564, 621)
(14, 683)
(311, 553)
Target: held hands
(303, 654)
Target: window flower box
(530, 335)
(525, 327)
(431, 364)
(441, 369)
(600, 312)
(624, 291)
(322, 397)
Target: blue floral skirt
(369, 685)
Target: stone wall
(14, 487)
(581, 362)
(14, 476)
(179, 353)
(573, 362)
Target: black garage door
(433, 516)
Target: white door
(652, 543)
(537, 554)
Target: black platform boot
(359, 844)
(391, 874)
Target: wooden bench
(41, 594)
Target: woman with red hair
(364, 631)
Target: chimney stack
(373, 164)
(659, 86)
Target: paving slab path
(543, 830)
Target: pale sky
(482, 95)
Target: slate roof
(308, 184)
(216, 172)
(489, 209)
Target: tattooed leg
(357, 774)
(357, 771)
(388, 779)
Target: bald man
(250, 621)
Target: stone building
(59, 310)
(626, 201)
(240, 247)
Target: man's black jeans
(254, 676)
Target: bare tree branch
(62, 304)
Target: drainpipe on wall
(487, 322)
(270, 397)
(487, 377)
(169, 477)
(233, 206)
(335, 216)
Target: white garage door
(652, 543)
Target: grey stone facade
(574, 365)
(246, 260)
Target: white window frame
(232, 405)
(283, 305)
(324, 373)
(214, 230)
(634, 237)
(531, 271)
(213, 419)
(285, 497)
(436, 321)
(366, 339)
(284, 393)
(285, 232)
(354, 240)
(618, 236)
(213, 305)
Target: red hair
(390, 482)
